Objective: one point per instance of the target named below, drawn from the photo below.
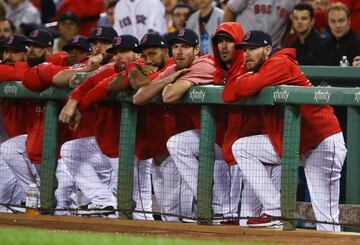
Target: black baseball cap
(216, 37)
(15, 42)
(124, 42)
(151, 41)
(255, 38)
(184, 35)
(40, 37)
(69, 16)
(78, 42)
(102, 33)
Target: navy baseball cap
(15, 42)
(124, 42)
(69, 16)
(40, 37)
(216, 37)
(103, 33)
(184, 35)
(151, 41)
(78, 42)
(255, 38)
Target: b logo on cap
(75, 39)
(34, 33)
(98, 31)
(11, 40)
(144, 39)
(181, 33)
(117, 41)
(247, 36)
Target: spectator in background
(180, 15)
(87, 11)
(354, 7)
(204, 22)
(2, 10)
(139, 19)
(309, 43)
(221, 4)
(343, 41)
(7, 28)
(194, 4)
(22, 11)
(261, 15)
(107, 18)
(169, 7)
(68, 26)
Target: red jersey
(17, 113)
(317, 122)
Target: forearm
(137, 79)
(62, 78)
(147, 92)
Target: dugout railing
(208, 96)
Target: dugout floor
(178, 230)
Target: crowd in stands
(103, 46)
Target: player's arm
(62, 78)
(173, 92)
(149, 91)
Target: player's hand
(93, 63)
(356, 61)
(76, 119)
(149, 69)
(68, 111)
(173, 77)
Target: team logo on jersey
(181, 33)
(141, 19)
(99, 31)
(144, 39)
(117, 41)
(75, 39)
(11, 40)
(34, 33)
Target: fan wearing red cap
(322, 147)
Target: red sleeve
(90, 83)
(40, 77)
(250, 83)
(13, 72)
(96, 94)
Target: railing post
(353, 156)
(126, 205)
(206, 165)
(49, 158)
(289, 168)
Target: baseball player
(271, 15)
(133, 17)
(100, 40)
(14, 118)
(322, 146)
(107, 137)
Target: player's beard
(34, 61)
(257, 66)
(162, 64)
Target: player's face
(5, 29)
(254, 57)
(75, 56)
(100, 47)
(37, 54)
(226, 49)
(301, 21)
(13, 55)
(154, 57)
(180, 15)
(184, 54)
(123, 56)
(338, 22)
(68, 29)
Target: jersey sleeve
(237, 6)
(200, 73)
(159, 23)
(13, 72)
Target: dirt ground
(176, 230)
